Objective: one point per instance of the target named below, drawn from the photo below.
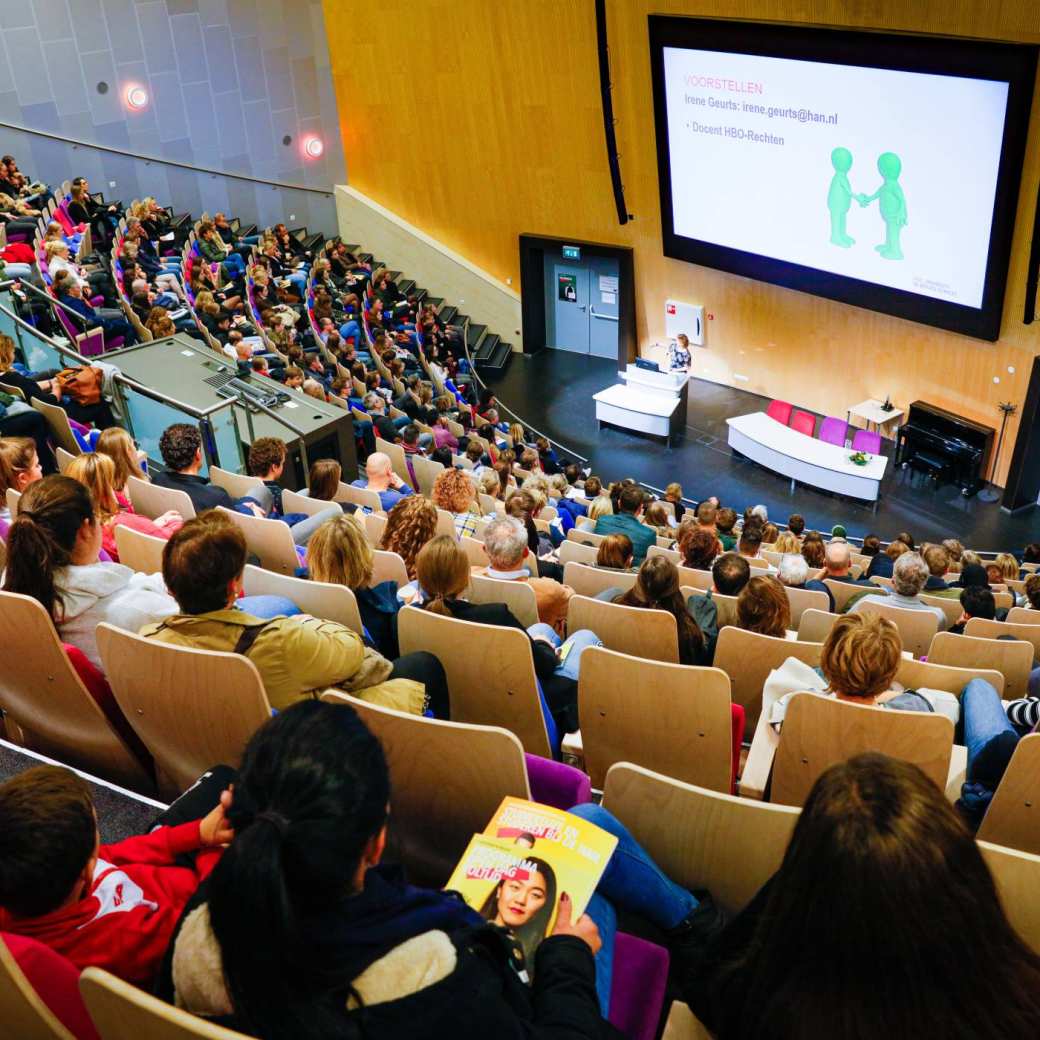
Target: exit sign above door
(572, 252)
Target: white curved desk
(805, 459)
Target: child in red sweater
(111, 906)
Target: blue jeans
(234, 265)
(988, 735)
(303, 526)
(633, 882)
(350, 328)
(577, 641)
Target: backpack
(82, 384)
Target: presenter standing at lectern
(679, 354)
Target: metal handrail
(148, 159)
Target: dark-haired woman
(301, 933)
(882, 921)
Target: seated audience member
(656, 518)
(297, 657)
(128, 459)
(614, 553)
(770, 533)
(814, 550)
(698, 546)
(409, 526)
(181, 448)
(750, 545)
(323, 482)
(730, 573)
(454, 492)
(954, 550)
(1008, 565)
(859, 661)
(994, 575)
(523, 505)
(937, 560)
(873, 818)
(444, 574)
(837, 564)
(600, 506)
(871, 545)
(762, 607)
(19, 467)
(725, 521)
(1032, 591)
(626, 521)
(883, 563)
(107, 906)
(759, 511)
(53, 551)
(706, 515)
(976, 601)
(352, 949)
(673, 493)
(787, 543)
(387, 428)
(796, 524)
(907, 539)
(97, 473)
(505, 540)
(267, 457)
(657, 588)
(794, 574)
(312, 388)
(381, 478)
(908, 579)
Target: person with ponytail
(301, 932)
(53, 551)
(98, 473)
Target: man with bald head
(838, 562)
(381, 478)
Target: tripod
(990, 493)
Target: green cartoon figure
(839, 198)
(891, 202)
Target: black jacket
(202, 493)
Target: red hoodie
(125, 923)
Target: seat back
(916, 675)
(446, 781)
(583, 537)
(671, 718)
(23, 1013)
(237, 485)
(700, 838)
(320, 599)
(834, 431)
(58, 426)
(803, 422)
(748, 658)
(445, 523)
(426, 473)
(590, 581)
(987, 629)
(1017, 875)
(1023, 616)
(916, 627)
(388, 566)
(950, 607)
(518, 596)
(397, 460)
(150, 500)
(820, 732)
(815, 625)
(1012, 658)
(475, 551)
(91, 343)
(359, 497)
(868, 441)
(575, 552)
(490, 672)
(843, 591)
(780, 411)
(124, 1012)
(658, 549)
(270, 540)
(191, 708)
(1011, 819)
(801, 600)
(293, 502)
(138, 551)
(629, 630)
(12, 498)
(43, 695)
(64, 459)
(374, 525)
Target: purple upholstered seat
(833, 431)
(868, 441)
(557, 784)
(637, 986)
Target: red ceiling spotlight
(313, 147)
(136, 96)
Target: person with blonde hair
(19, 467)
(1008, 565)
(786, 542)
(444, 574)
(455, 493)
(409, 526)
(673, 493)
(97, 473)
(128, 459)
(601, 505)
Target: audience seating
(191, 708)
(493, 683)
(388, 566)
(843, 591)
(12, 498)
(44, 696)
(803, 422)
(780, 411)
(270, 540)
(426, 473)
(320, 599)
(24, 1014)
(819, 732)
(475, 551)
(574, 552)
(1023, 616)
(801, 600)
(237, 485)
(673, 718)
(1012, 658)
(585, 537)
(518, 596)
(916, 627)
(834, 431)
(151, 501)
(950, 607)
(59, 426)
(124, 1012)
(590, 581)
(64, 458)
(293, 502)
(359, 497)
(139, 551)
(629, 630)
(815, 625)
(1017, 876)
(1011, 819)
(397, 460)
(987, 629)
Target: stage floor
(552, 391)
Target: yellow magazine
(528, 856)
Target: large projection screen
(874, 169)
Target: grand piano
(948, 447)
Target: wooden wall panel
(477, 121)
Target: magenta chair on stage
(868, 441)
(834, 431)
(780, 411)
(803, 422)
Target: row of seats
(832, 430)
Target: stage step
(487, 347)
(405, 285)
(475, 337)
(447, 314)
(436, 302)
(500, 357)
(353, 247)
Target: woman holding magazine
(301, 933)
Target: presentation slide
(874, 174)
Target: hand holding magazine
(529, 857)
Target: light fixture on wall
(136, 96)
(313, 147)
